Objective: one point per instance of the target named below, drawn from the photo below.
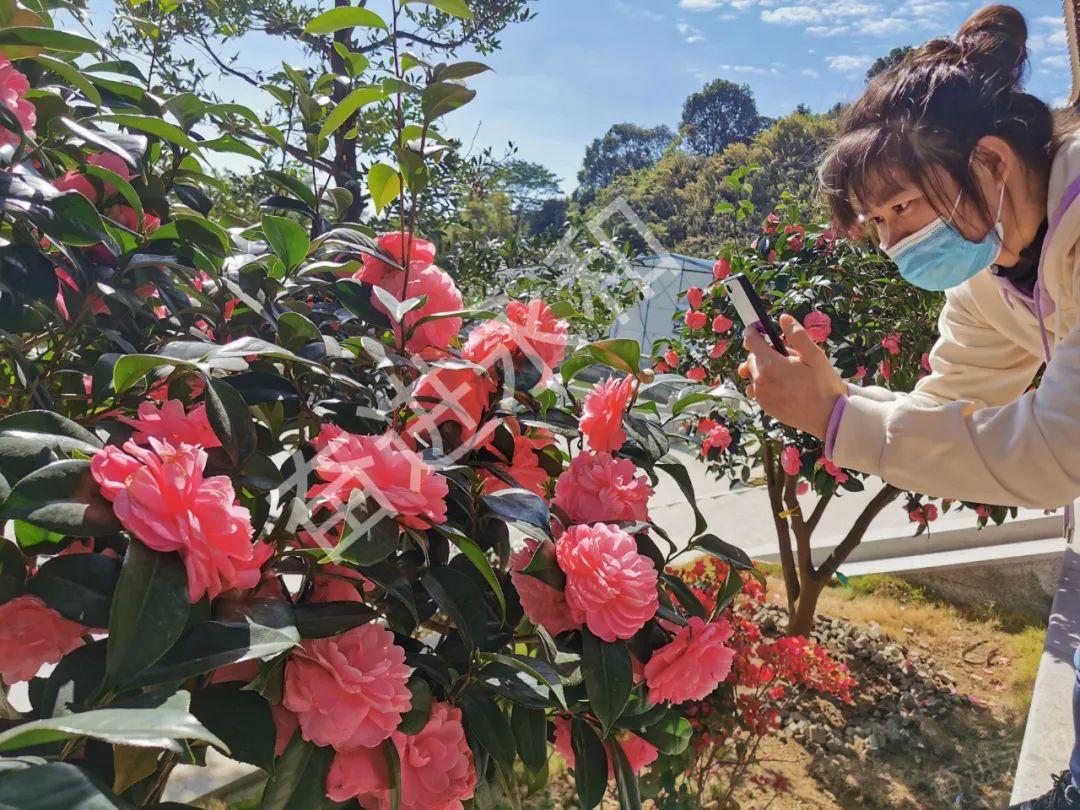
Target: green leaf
(47, 38)
(344, 109)
(671, 734)
(241, 718)
(72, 75)
(397, 310)
(227, 143)
(345, 17)
(545, 567)
(486, 723)
(414, 720)
(51, 430)
(156, 720)
(724, 550)
(519, 506)
(157, 127)
(76, 222)
(463, 70)
(62, 497)
(384, 183)
(324, 619)
(65, 786)
(131, 368)
(298, 781)
(456, 8)
(682, 477)
(609, 677)
(625, 779)
(295, 331)
(440, 98)
(293, 185)
(231, 420)
(620, 354)
(460, 599)
(287, 239)
(590, 764)
(479, 560)
(78, 586)
(125, 189)
(529, 727)
(261, 628)
(355, 296)
(150, 611)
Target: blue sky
(580, 66)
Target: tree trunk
(345, 167)
(801, 622)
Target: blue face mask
(937, 257)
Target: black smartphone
(752, 309)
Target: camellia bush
(269, 487)
(878, 330)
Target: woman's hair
(925, 114)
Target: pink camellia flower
(802, 488)
(721, 269)
(524, 467)
(442, 296)
(161, 496)
(384, 469)
(832, 469)
(697, 374)
(704, 425)
(421, 257)
(818, 325)
(337, 583)
(609, 585)
(73, 180)
(32, 635)
(891, 343)
(719, 437)
(671, 357)
(285, 727)
(437, 770)
(126, 216)
(694, 296)
(789, 460)
(860, 374)
(172, 424)
(924, 362)
(772, 256)
(602, 413)
(795, 243)
(640, 753)
(543, 604)
(885, 369)
(692, 665)
(983, 511)
(348, 690)
(451, 401)
(695, 320)
(721, 323)
(718, 349)
(13, 87)
(660, 367)
(531, 333)
(771, 221)
(599, 488)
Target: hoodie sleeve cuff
(834, 425)
(858, 443)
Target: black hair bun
(994, 40)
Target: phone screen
(752, 311)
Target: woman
(971, 186)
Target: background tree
(720, 114)
(883, 63)
(623, 149)
(527, 184)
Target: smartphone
(752, 309)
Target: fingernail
(746, 333)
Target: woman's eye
(900, 208)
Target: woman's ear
(996, 157)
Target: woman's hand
(799, 390)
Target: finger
(799, 339)
(744, 370)
(756, 344)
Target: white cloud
(640, 13)
(827, 30)
(1056, 61)
(883, 27)
(1049, 21)
(791, 15)
(1043, 42)
(741, 5)
(813, 74)
(689, 34)
(700, 5)
(842, 63)
(752, 70)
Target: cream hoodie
(971, 430)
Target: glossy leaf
(344, 17)
(62, 497)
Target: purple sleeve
(834, 425)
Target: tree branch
(783, 532)
(798, 525)
(223, 66)
(855, 535)
(819, 510)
